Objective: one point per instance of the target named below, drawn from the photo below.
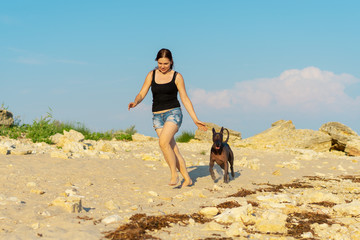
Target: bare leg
(172, 154)
(180, 164)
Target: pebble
(111, 219)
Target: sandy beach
(132, 186)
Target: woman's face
(164, 64)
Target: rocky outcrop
(6, 118)
(206, 136)
(343, 138)
(282, 135)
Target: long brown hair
(165, 53)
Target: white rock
(307, 235)
(348, 209)
(152, 193)
(235, 214)
(272, 221)
(209, 211)
(35, 226)
(111, 205)
(314, 196)
(213, 226)
(235, 229)
(276, 198)
(111, 219)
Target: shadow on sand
(196, 172)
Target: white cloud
(306, 90)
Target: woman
(165, 83)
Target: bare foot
(174, 182)
(187, 183)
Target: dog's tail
(228, 135)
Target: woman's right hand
(131, 105)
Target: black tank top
(164, 95)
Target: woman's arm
(187, 102)
(143, 92)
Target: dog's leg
(231, 160)
(226, 172)
(211, 170)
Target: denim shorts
(174, 115)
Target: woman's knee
(164, 143)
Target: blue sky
(246, 64)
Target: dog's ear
(213, 130)
(222, 130)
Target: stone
(56, 138)
(315, 196)
(4, 150)
(20, 152)
(353, 147)
(37, 191)
(209, 212)
(154, 194)
(282, 135)
(238, 214)
(272, 222)
(73, 147)
(103, 146)
(74, 136)
(348, 209)
(71, 204)
(213, 226)
(111, 205)
(339, 133)
(235, 229)
(206, 136)
(6, 118)
(137, 137)
(111, 219)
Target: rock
(71, 204)
(37, 191)
(111, 205)
(353, 147)
(137, 137)
(154, 194)
(74, 136)
(272, 221)
(316, 196)
(56, 138)
(238, 214)
(348, 209)
(235, 229)
(6, 118)
(283, 135)
(339, 133)
(4, 150)
(209, 212)
(20, 152)
(103, 146)
(73, 147)
(213, 226)
(111, 219)
(206, 136)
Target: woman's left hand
(201, 125)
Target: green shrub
(41, 130)
(185, 137)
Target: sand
(135, 183)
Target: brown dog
(222, 154)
